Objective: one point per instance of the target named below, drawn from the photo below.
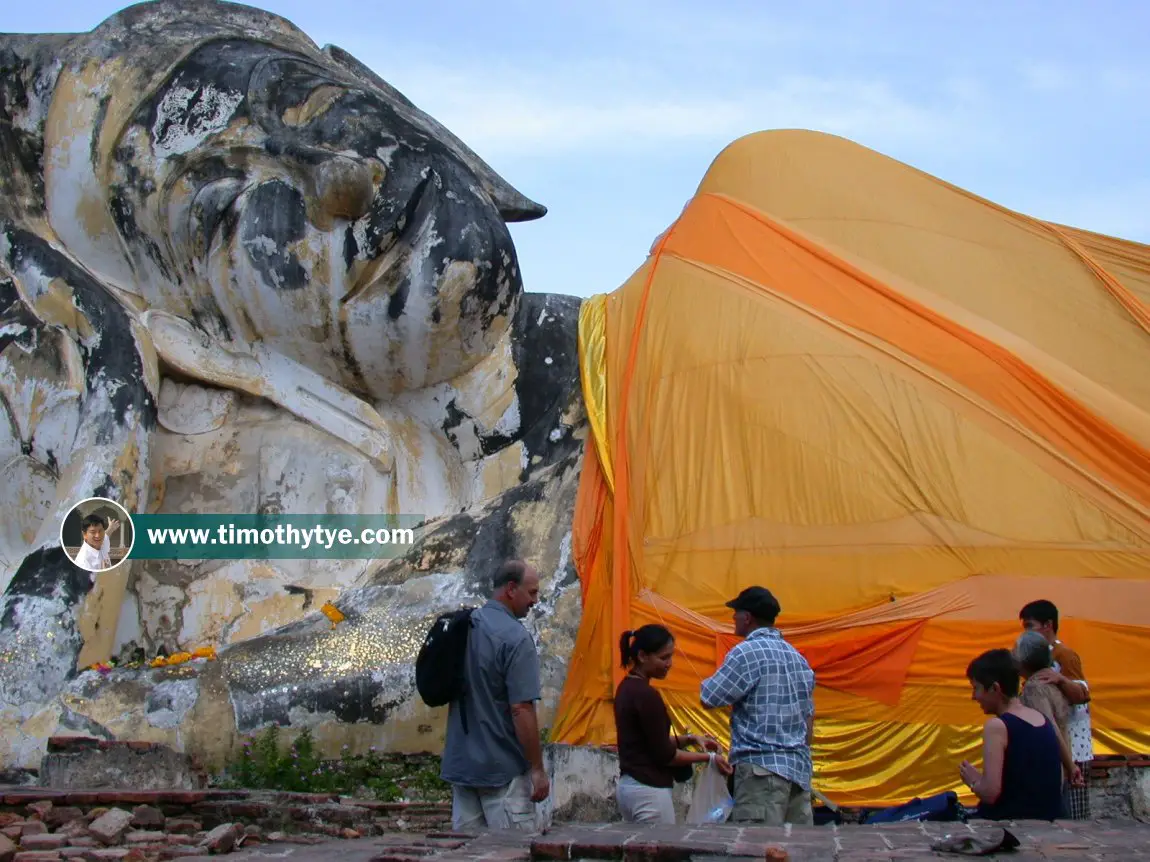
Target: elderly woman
(1032, 653)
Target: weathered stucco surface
(241, 273)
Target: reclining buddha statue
(243, 274)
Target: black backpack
(439, 667)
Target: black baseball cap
(759, 602)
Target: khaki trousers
(763, 797)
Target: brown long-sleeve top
(643, 733)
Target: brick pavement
(406, 833)
(900, 841)
(1100, 840)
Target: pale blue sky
(610, 112)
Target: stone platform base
(1128, 840)
(82, 762)
(1109, 842)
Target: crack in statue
(240, 273)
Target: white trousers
(641, 803)
(506, 807)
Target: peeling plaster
(182, 124)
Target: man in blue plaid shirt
(770, 687)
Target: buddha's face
(271, 197)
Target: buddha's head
(208, 160)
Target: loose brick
(230, 811)
(139, 836)
(445, 843)
(84, 841)
(223, 838)
(7, 818)
(109, 854)
(60, 815)
(544, 849)
(39, 809)
(36, 856)
(147, 817)
(12, 833)
(507, 854)
(182, 825)
(645, 851)
(43, 842)
(413, 850)
(32, 827)
(123, 798)
(74, 828)
(7, 849)
(175, 852)
(110, 828)
(150, 850)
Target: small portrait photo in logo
(97, 534)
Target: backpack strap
(463, 693)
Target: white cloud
(1120, 80)
(510, 112)
(1095, 79)
(1046, 77)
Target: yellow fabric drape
(593, 376)
(906, 410)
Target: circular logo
(97, 534)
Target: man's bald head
(517, 586)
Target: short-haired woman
(1021, 777)
(648, 752)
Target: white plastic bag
(711, 801)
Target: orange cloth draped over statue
(905, 410)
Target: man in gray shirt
(496, 766)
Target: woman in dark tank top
(1022, 764)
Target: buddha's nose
(345, 187)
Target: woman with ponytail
(649, 754)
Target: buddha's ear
(512, 205)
